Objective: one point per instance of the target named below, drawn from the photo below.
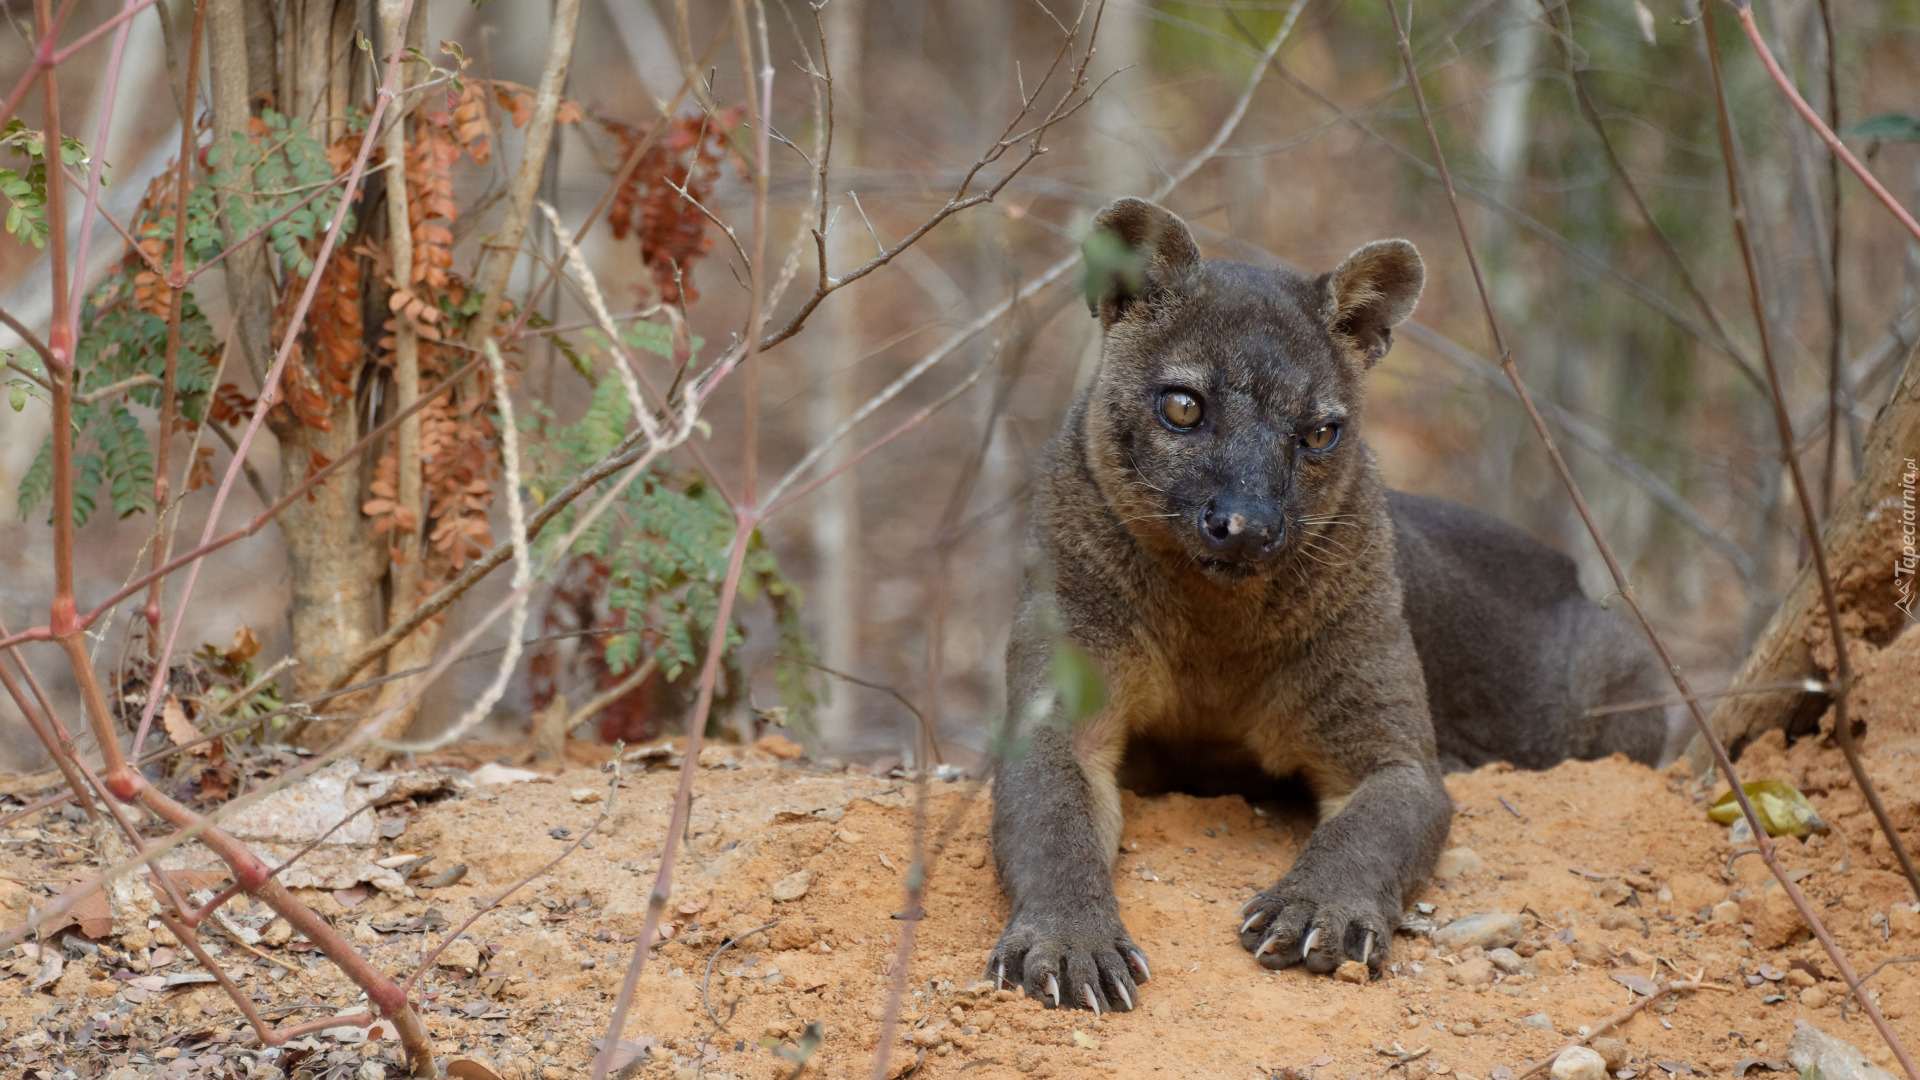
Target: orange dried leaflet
(685, 156)
(150, 291)
(457, 449)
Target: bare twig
(613, 791)
(1614, 568)
(1673, 986)
(1803, 496)
(708, 976)
(1780, 79)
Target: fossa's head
(1222, 423)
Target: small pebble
(588, 795)
(1506, 960)
(1540, 1021)
(1579, 1063)
(1814, 997)
(792, 887)
(1458, 862)
(1614, 1051)
(1352, 971)
(1489, 931)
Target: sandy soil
(1612, 869)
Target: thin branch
(613, 791)
(1803, 496)
(120, 386)
(925, 727)
(33, 342)
(1674, 986)
(1780, 79)
(1721, 760)
(265, 517)
(269, 387)
(482, 706)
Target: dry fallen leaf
(179, 728)
(93, 915)
(1782, 809)
(1639, 984)
(245, 645)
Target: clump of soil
(1612, 871)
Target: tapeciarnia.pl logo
(1908, 560)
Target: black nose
(1239, 529)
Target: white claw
(1248, 925)
(1248, 906)
(1140, 963)
(1053, 990)
(1366, 947)
(1000, 977)
(1124, 996)
(1265, 944)
(1093, 1000)
(1306, 943)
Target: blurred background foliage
(1583, 137)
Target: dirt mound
(1611, 871)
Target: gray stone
(1507, 960)
(793, 886)
(1458, 862)
(1492, 930)
(1538, 1020)
(1837, 1058)
(1579, 1063)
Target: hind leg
(1616, 666)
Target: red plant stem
(121, 780)
(38, 724)
(43, 52)
(1790, 457)
(682, 797)
(903, 956)
(746, 520)
(126, 784)
(269, 387)
(1819, 126)
(60, 350)
(134, 7)
(191, 939)
(99, 160)
(1762, 841)
(177, 294)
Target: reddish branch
(1813, 120)
(121, 780)
(1789, 455)
(1725, 764)
(260, 521)
(169, 396)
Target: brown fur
(1238, 589)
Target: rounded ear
(1373, 292)
(1134, 249)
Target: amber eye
(1180, 409)
(1322, 437)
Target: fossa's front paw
(1300, 922)
(1077, 963)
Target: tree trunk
(1870, 546)
(831, 358)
